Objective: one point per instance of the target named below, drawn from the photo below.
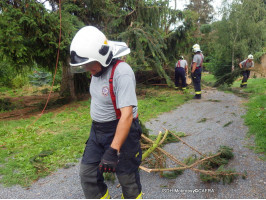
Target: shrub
(19, 81)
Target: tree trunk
(81, 84)
(168, 80)
(67, 88)
(233, 58)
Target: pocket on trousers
(129, 162)
(137, 129)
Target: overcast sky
(181, 4)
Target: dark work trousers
(180, 73)
(101, 137)
(196, 78)
(245, 74)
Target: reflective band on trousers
(138, 197)
(106, 196)
(198, 92)
(244, 83)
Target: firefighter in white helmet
(196, 69)
(114, 141)
(246, 65)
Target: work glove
(109, 160)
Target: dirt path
(217, 109)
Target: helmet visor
(78, 69)
(82, 68)
(76, 60)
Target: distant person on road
(180, 72)
(246, 65)
(196, 69)
(114, 141)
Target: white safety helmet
(250, 57)
(196, 48)
(90, 44)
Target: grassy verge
(208, 79)
(255, 117)
(26, 90)
(30, 151)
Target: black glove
(109, 160)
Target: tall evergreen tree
(141, 24)
(29, 34)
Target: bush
(40, 78)
(205, 28)
(6, 105)
(6, 74)
(19, 81)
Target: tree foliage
(143, 25)
(29, 34)
(242, 31)
(156, 33)
(203, 8)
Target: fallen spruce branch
(184, 142)
(176, 161)
(206, 175)
(153, 147)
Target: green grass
(26, 90)
(208, 79)
(255, 86)
(30, 150)
(255, 117)
(23, 144)
(158, 101)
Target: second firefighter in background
(196, 70)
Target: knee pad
(131, 186)
(88, 173)
(92, 182)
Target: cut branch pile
(210, 168)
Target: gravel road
(218, 108)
